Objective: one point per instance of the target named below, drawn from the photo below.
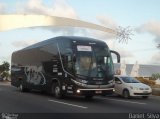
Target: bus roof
(53, 40)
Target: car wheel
(126, 94)
(144, 97)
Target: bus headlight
(82, 81)
(78, 91)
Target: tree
(156, 76)
(4, 70)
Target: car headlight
(131, 87)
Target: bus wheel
(23, 89)
(57, 91)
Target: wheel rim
(126, 94)
(21, 87)
(57, 91)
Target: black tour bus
(65, 65)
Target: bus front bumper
(95, 91)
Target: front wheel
(126, 94)
(57, 91)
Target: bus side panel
(27, 67)
(18, 75)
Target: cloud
(5, 58)
(60, 8)
(152, 27)
(2, 8)
(155, 58)
(107, 22)
(125, 54)
(23, 43)
(110, 39)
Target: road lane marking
(141, 103)
(68, 104)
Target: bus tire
(57, 91)
(22, 88)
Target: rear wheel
(22, 88)
(126, 94)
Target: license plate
(98, 91)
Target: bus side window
(48, 67)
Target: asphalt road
(14, 101)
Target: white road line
(141, 103)
(68, 104)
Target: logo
(9, 116)
(34, 75)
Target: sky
(142, 17)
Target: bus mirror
(117, 54)
(118, 82)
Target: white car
(127, 86)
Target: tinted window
(129, 80)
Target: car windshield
(93, 61)
(129, 80)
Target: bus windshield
(93, 61)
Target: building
(143, 70)
(158, 81)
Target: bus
(65, 65)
